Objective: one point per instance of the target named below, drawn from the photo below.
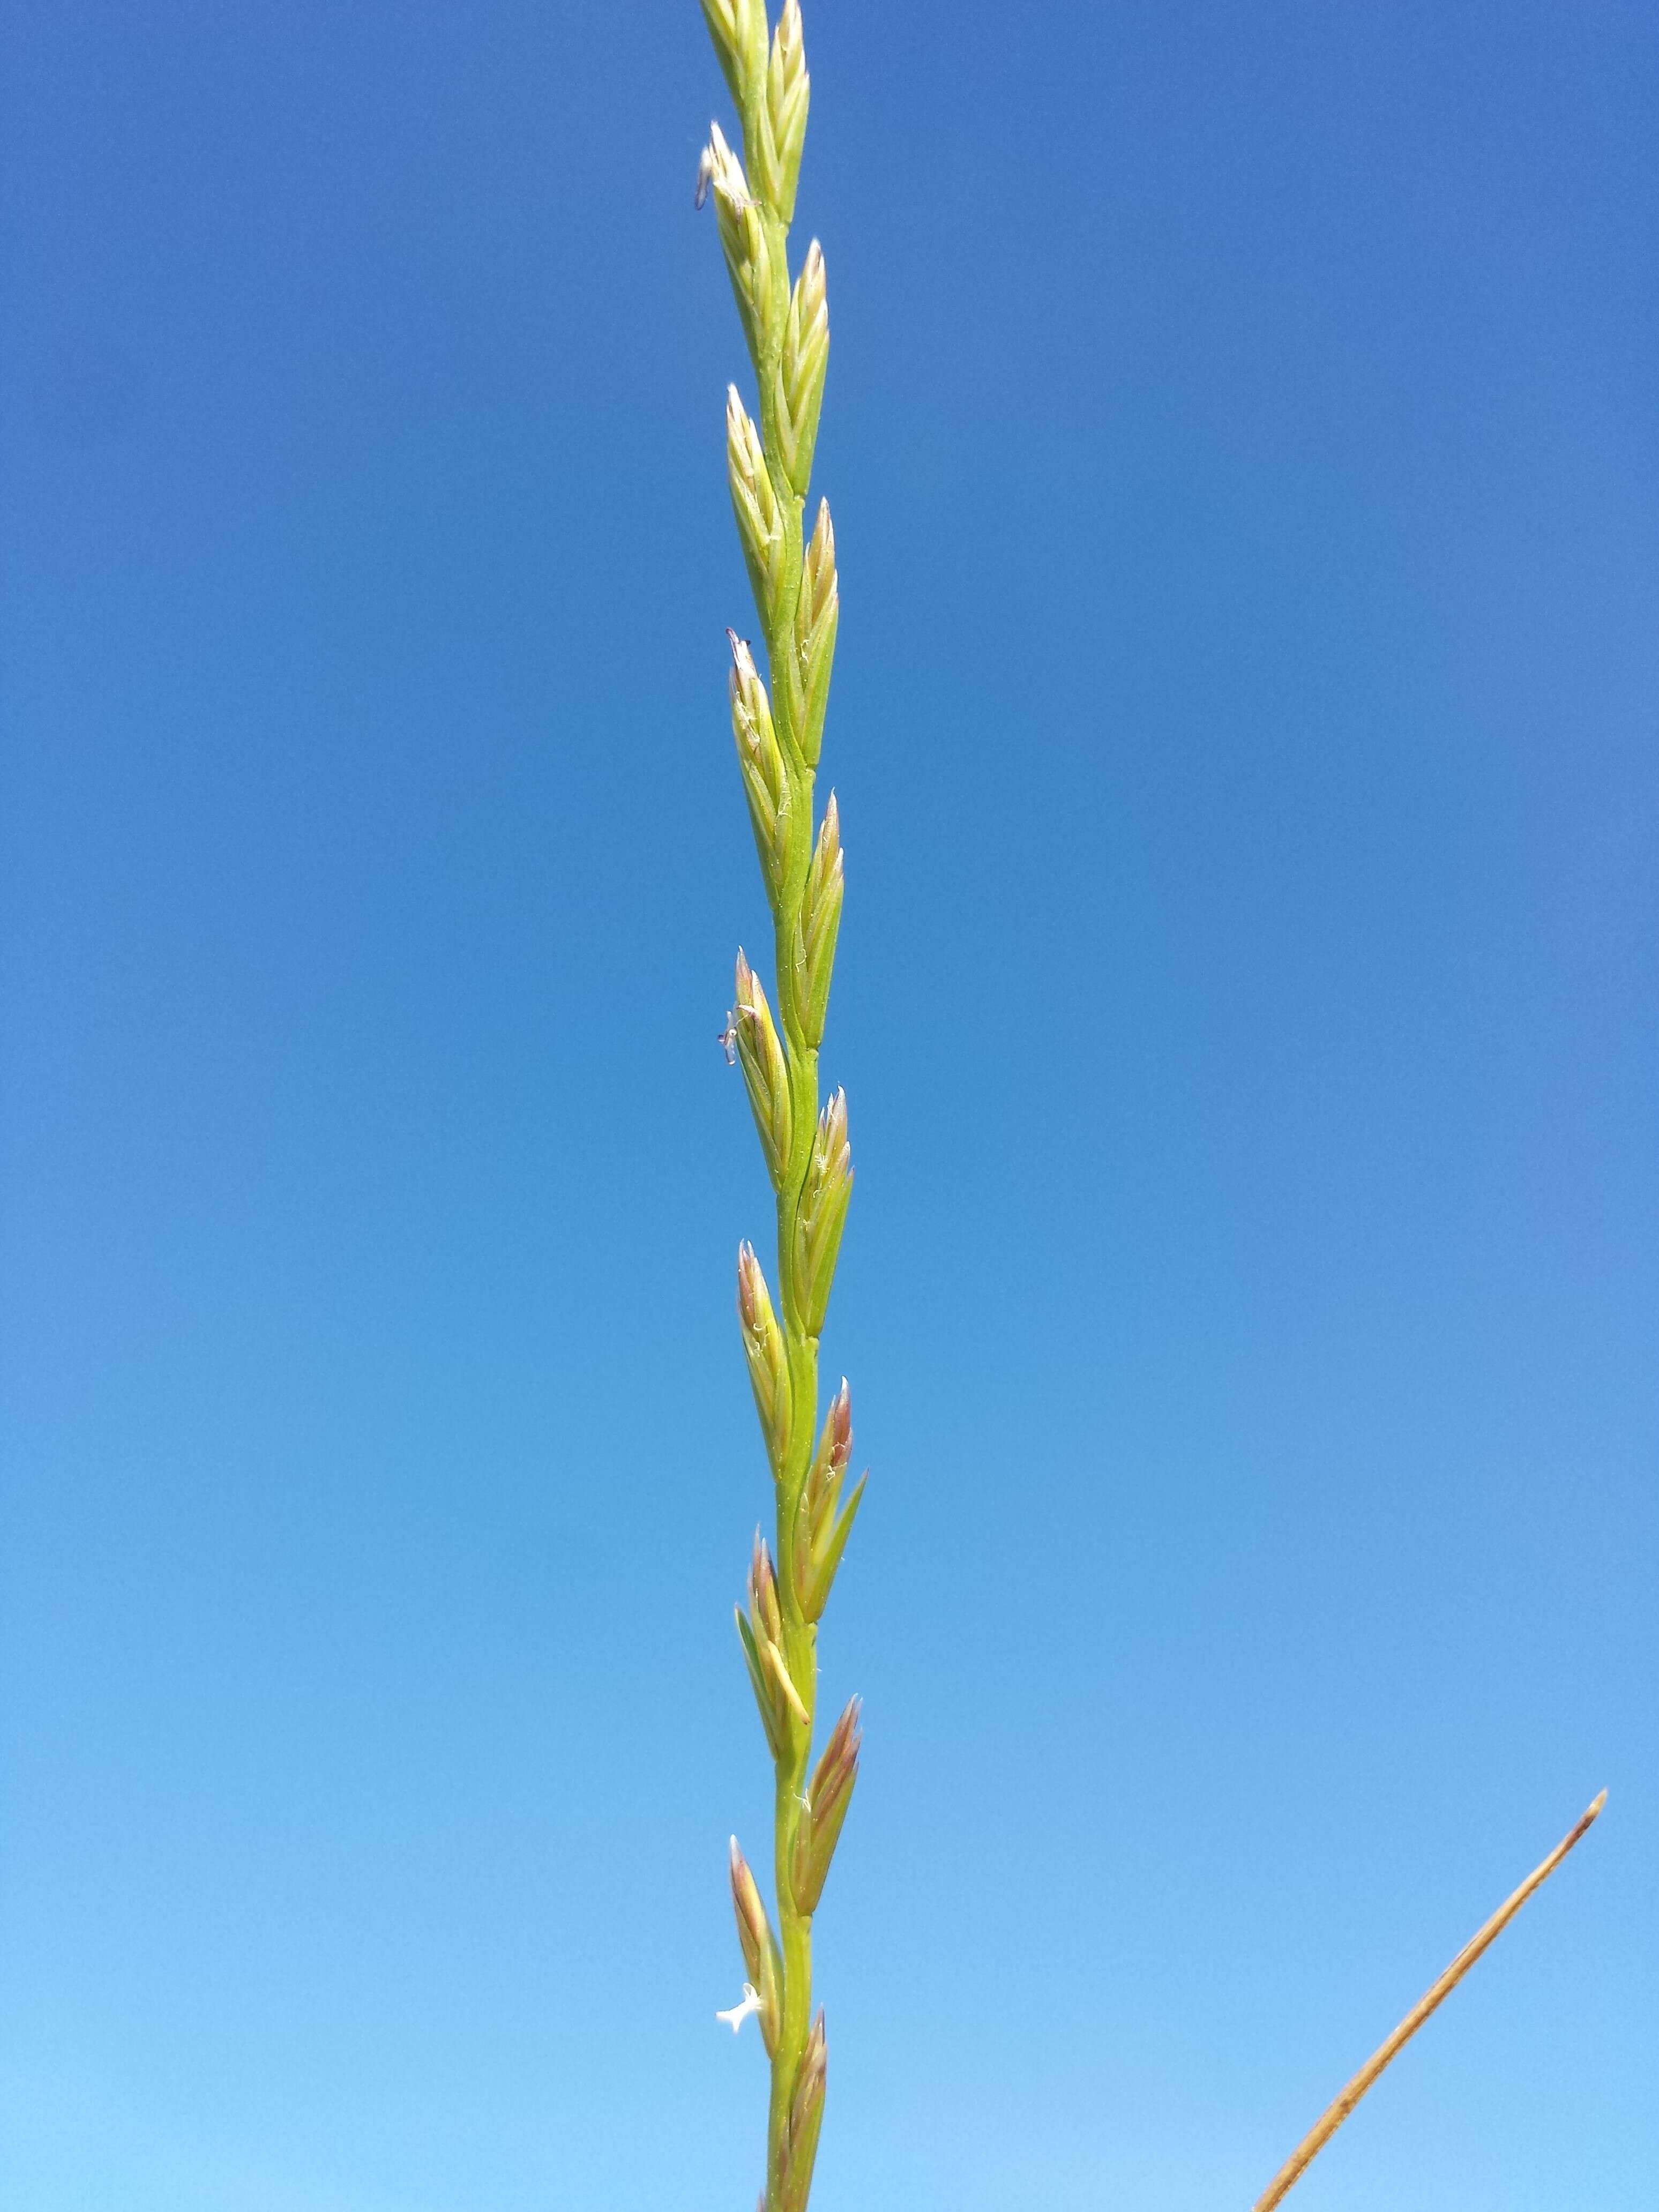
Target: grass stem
(1337, 2111)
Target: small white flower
(739, 2013)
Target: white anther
(739, 2013)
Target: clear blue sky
(1243, 436)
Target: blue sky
(1243, 438)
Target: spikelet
(768, 1361)
(764, 1070)
(737, 29)
(760, 1949)
(821, 1214)
(820, 926)
(760, 1633)
(818, 1830)
(756, 285)
(765, 780)
(823, 1524)
(780, 120)
(762, 522)
(801, 369)
(799, 2144)
(818, 617)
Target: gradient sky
(1242, 431)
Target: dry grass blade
(1329, 2121)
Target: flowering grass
(778, 721)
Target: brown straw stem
(1332, 2119)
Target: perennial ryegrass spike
(777, 722)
